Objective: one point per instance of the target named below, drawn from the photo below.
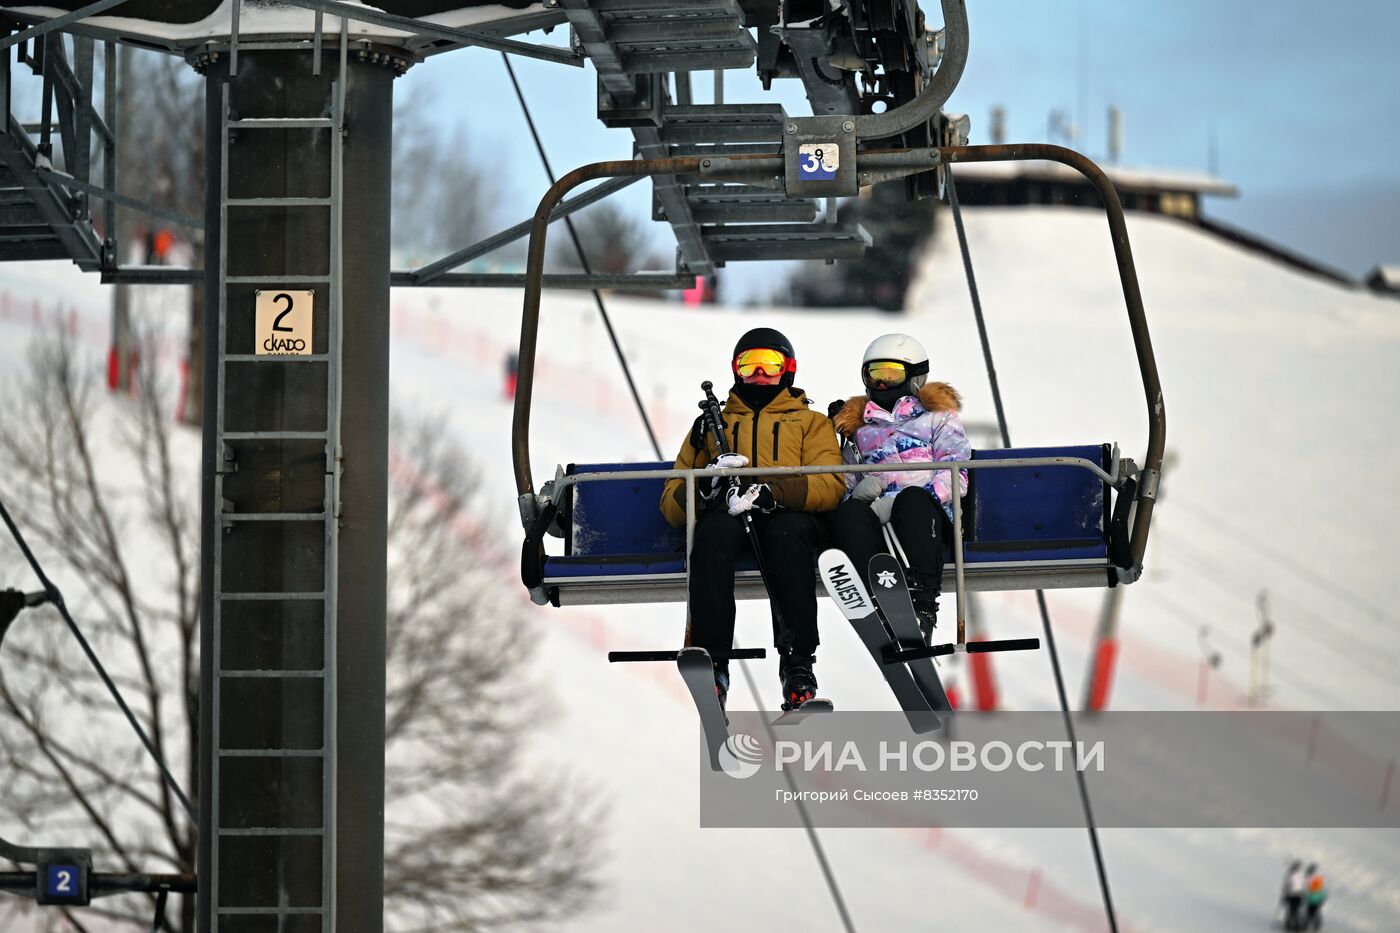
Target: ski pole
(710, 407)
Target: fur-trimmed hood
(934, 396)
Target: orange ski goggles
(765, 361)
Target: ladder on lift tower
(306, 763)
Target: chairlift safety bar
(1116, 479)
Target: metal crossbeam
(419, 27)
(169, 275)
(152, 275)
(630, 281)
(111, 197)
(58, 22)
(596, 193)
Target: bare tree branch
(472, 844)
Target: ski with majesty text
(843, 585)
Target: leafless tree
(614, 241)
(443, 198)
(109, 505)
(160, 160)
(503, 849)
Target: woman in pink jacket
(903, 419)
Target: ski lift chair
(1037, 517)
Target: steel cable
(56, 597)
(1039, 594)
(583, 261)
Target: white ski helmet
(903, 349)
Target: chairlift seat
(616, 529)
(1037, 513)
(1024, 528)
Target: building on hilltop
(880, 279)
(1152, 191)
(897, 227)
(1385, 279)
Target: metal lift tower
(295, 486)
(298, 111)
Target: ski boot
(799, 683)
(926, 608)
(722, 691)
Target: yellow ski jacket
(786, 432)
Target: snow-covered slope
(1279, 393)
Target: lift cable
(827, 873)
(56, 597)
(583, 260)
(812, 837)
(1039, 594)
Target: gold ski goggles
(767, 362)
(884, 373)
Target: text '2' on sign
(283, 322)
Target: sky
(1301, 101)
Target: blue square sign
(818, 161)
(62, 882)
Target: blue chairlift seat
(1027, 527)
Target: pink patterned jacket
(919, 429)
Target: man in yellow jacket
(767, 423)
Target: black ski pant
(1293, 912)
(790, 542)
(918, 521)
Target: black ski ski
(891, 593)
(699, 675)
(848, 593)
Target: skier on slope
(903, 419)
(767, 422)
(1295, 889)
(1294, 893)
(1317, 896)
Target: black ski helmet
(769, 339)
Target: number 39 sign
(283, 323)
(818, 161)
